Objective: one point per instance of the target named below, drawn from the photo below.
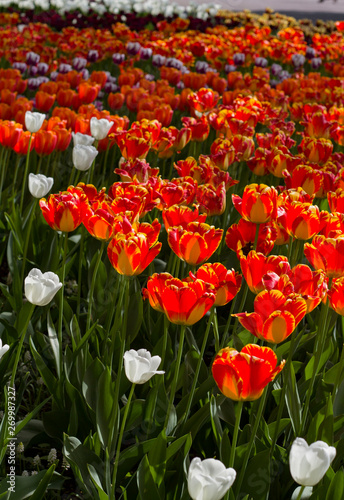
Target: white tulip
(3, 349)
(41, 288)
(80, 139)
(309, 464)
(100, 128)
(40, 185)
(140, 366)
(34, 121)
(209, 479)
(83, 156)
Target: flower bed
(171, 316)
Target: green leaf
(225, 448)
(20, 425)
(106, 409)
(148, 490)
(96, 481)
(215, 421)
(136, 310)
(80, 458)
(257, 476)
(16, 231)
(43, 485)
(293, 403)
(26, 485)
(336, 489)
(48, 378)
(54, 342)
(157, 459)
(175, 447)
(90, 383)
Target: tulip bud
(83, 157)
(34, 121)
(100, 128)
(3, 349)
(209, 479)
(80, 139)
(309, 464)
(41, 288)
(140, 366)
(40, 185)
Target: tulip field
(171, 255)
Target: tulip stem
(164, 342)
(25, 175)
(236, 432)
(198, 367)
(81, 256)
(93, 282)
(252, 438)
(3, 167)
(317, 356)
(299, 496)
(123, 336)
(225, 333)
(16, 168)
(20, 346)
(28, 233)
(176, 373)
(119, 442)
(256, 237)
(284, 389)
(63, 270)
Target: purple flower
(201, 67)
(149, 77)
(65, 68)
(133, 48)
(53, 75)
(261, 62)
(239, 58)
(284, 75)
(180, 85)
(118, 58)
(110, 87)
(20, 66)
(33, 83)
(229, 68)
(146, 53)
(172, 62)
(85, 74)
(310, 53)
(42, 68)
(276, 69)
(316, 62)
(79, 63)
(32, 58)
(298, 60)
(158, 60)
(32, 70)
(92, 55)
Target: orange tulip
(45, 142)
(183, 302)
(276, 316)
(258, 204)
(65, 211)
(44, 101)
(181, 216)
(241, 236)
(255, 266)
(196, 243)
(132, 252)
(242, 376)
(226, 282)
(336, 296)
(326, 254)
